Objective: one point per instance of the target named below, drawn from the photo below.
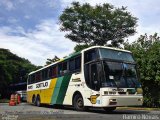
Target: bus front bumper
(115, 101)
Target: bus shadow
(119, 111)
(98, 110)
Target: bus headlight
(140, 99)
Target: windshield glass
(120, 75)
(116, 55)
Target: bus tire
(109, 109)
(38, 102)
(33, 100)
(78, 103)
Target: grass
(137, 108)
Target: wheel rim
(79, 103)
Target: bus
(97, 76)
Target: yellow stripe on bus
(45, 94)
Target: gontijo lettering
(40, 85)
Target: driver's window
(94, 76)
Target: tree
(97, 25)
(146, 51)
(79, 47)
(49, 61)
(13, 69)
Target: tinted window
(38, 76)
(93, 75)
(116, 55)
(71, 65)
(52, 72)
(75, 64)
(45, 74)
(65, 68)
(90, 55)
(32, 78)
(78, 63)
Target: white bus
(94, 77)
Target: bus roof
(77, 53)
(111, 48)
(68, 57)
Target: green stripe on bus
(63, 89)
(60, 89)
(56, 90)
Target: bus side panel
(77, 84)
(63, 89)
(30, 95)
(60, 89)
(47, 93)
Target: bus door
(95, 74)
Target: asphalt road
(26, 111)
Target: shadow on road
(98, 110)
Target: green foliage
(79, 47)
(49, 61)
(96, 25)
(13, 69)
(146, 51)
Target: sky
(30, 28)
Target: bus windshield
(121, 75)
(115, 55)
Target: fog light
(140, 99)
(112, 102)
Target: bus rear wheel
(38, 103)
(78, 103)
(109, 109)
(34, 100)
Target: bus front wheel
(78, 103)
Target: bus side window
(90, 55)
(50, 72)
(32, 78)
(75, 64)
(65, 68)
(54, 71)
(78, 63)
(38, 77)
(72, 65)
(45, 74)
(59, 69)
